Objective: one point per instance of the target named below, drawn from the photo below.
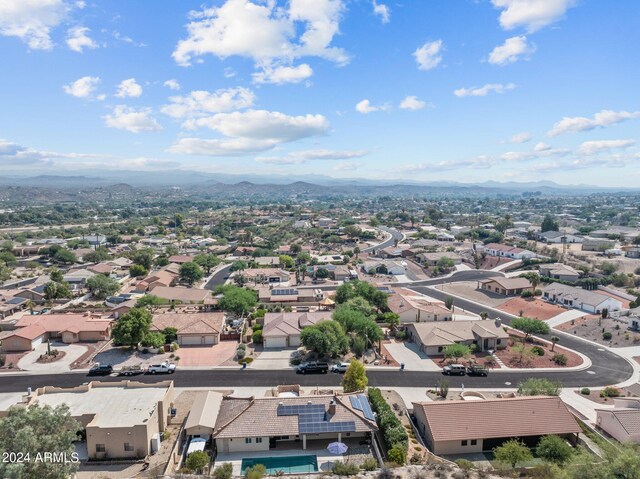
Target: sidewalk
(584, 406)
(565, 317)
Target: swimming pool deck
(314, 448)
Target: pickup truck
(477, 370)
(312, 367)
(164, 368)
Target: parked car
(101, 370)
(164, 368)
(477, 370)
(131, 370)
(312, 367)
(339, 368)
(451, 369)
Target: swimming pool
(286, 464)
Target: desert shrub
(559, 359)
(537, 350)
(415, 458)
(607, 336)
(585, 391)
(242, 346)
(464, 464)
(397, 454)
(245, 360)
(340, 468)
(240, 353)
(610, 392)
(257, 471)
(223, 471)
(401, 335)
(369, 464)
(526, 294)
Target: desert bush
(585, 391)
(223, 471)
(369, 464)
(340, 468)
(559, 359)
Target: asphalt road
(607, 368)
(395, 235)
(218, 278)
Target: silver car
(339, 368)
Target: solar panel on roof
(320, 427)
(361, 403)
(296, 409)
(284, 292)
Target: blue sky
(462, 90)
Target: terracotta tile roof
(508, 283)
(284, 324)
(447, 332)
(32, 326)
(181, 294)
(239, 417)
(496, 418)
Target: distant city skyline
(431, 90)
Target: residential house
(623, 421)
(506, 286)
(265, 275)
(78, 277)
(578, 298)
(632, 252)
(10, 304)
(625, 232)
(193, 329)
(464, 427)
(180, 258)
(384, 267)
(558, 237)
(290, 421)
(504, 251)
(184, 295)
(414, 308)
(157, 278)
(431, 259)
(33, 330)
(289, 295)
(634, 319)
(203, 415)
(120, 419)
(590, 243)
(282, 330)
(559, 271)
(432, 338)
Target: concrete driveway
(412, 357)
(72, 352)
(273, 359)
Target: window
(258, 439)
(474, 442)
(247, 440)
(128, 446)
(499, 341)
(464, 443)
(100, 448)
(440, 349)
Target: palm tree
(554, 340)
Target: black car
(312, 367)
(101, 370)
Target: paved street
(218, 278)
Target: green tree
(53, 291)
(190, 273)
(355, 377)
(170, 334)
(38, 430)
(539, 387)
(549, 224)
(358, 304)
(197, 461)
(530, 326)
(138, 270)
(64, 256)
(392, 320)
(554, 340)
(286, 261)
(448, 302)
(457, 351)
(237, 300)
(132, 327)
(101, 286)
(7, 257)
(326, 338)
(295, 248)
(56, 276)
(322, 273)
(445, 263)
(512, 452)
(143, 257)
(153, 339)
(238, 266)
(554, 449)
(223, 471)
(97, 256)
(207, 261)
(151, 302)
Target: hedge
(393, 431)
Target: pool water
(286, 464)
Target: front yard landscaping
(535, 353)
(608, 332)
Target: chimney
(498, 322)
(332, 407)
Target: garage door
(275, 342)
(37, 342)
(208, 340)
(189, 340)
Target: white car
(339, 368)
(164, 368)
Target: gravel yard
(594, 328)
(468, 290)
(531, 308)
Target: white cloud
(600, 120)
(201, 103)
(264, 32)
(83, 87)
(365, 107)
(78, 39)
(531, 14)
(129, 88)
(602, 146)
(126, 118)
(510, 51)
(484, 90)
(172, 84)
(229, 72)
(382, 11)
(428, 56)
(412, 103)
(32, 20)
(250, 131)
(299, 157)
(283, 74)
(521, 137)
(542, 147)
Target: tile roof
(496, 418)
(239, 417)
(508, 283)
(448, 332)
(285, 324)
(189, 323)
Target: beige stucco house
(623, 421)
(433, 338)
